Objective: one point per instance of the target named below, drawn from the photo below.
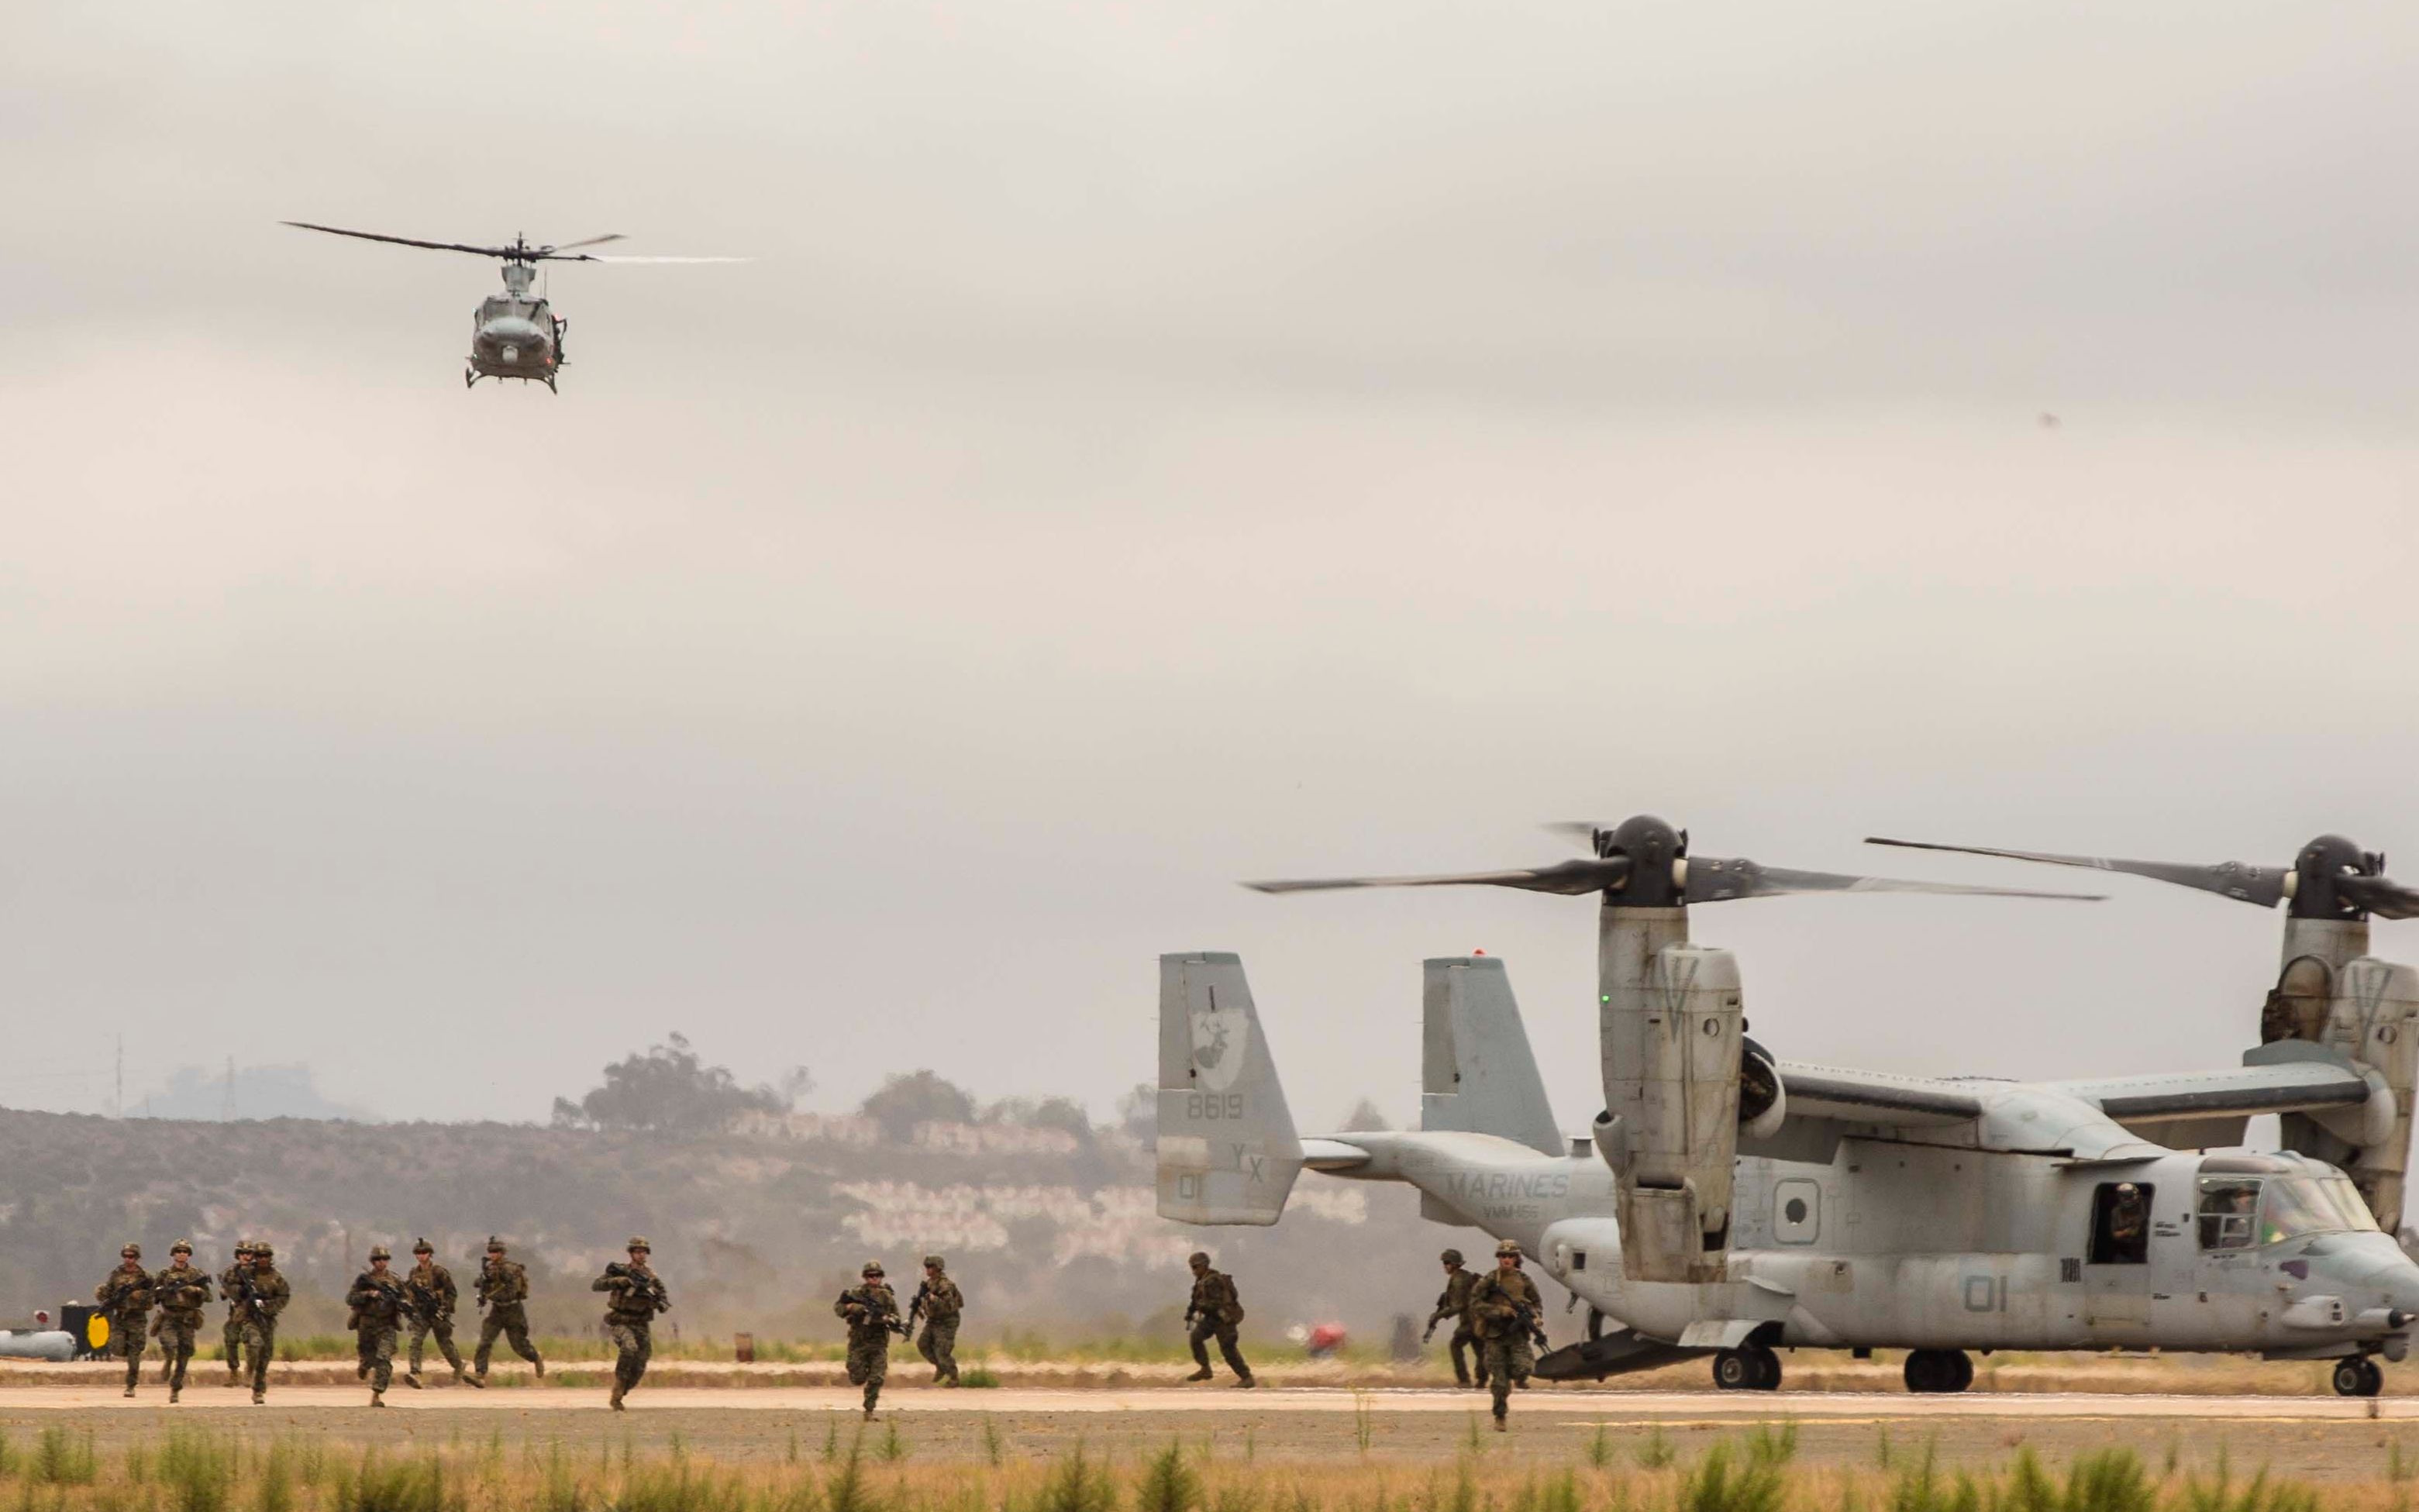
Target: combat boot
(411, 1379)
(479, 1381)
(615, 1401)
(540, 1367)
(1245, 1382)
(377, 1398)
(1498, 1423)
(175, 1392)
(1204, 1373)
(130, 1391)
(258, 1396)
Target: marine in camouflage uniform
(234, 1331)
(1215, 1312)
(429, 1297)
(636, 1295)
(1453, 1303)
(503, 1295)
(268, 1298)
(870, 1309)
(1503, 1305)
(125, 1300)
(181, 1293)
(940, 1303)
(377, 1306)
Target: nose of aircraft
(2377, 1273)
(512, 339)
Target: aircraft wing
(1875, 1097)
(2283, 1087)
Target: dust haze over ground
(1159, 447)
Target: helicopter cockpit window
(2298, 1205)
(2120, 1224)
(2228, 1205)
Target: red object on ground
(1325, 1340)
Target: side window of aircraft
(2228, 1204)
(1796, 1212)
(2120, 1224)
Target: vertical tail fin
(1227, 1151)
(1477, 1073)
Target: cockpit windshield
(2238, 1212)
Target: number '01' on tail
(1228, 1152)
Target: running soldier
(870, 1310)
(430, 1296)
(125, 1300)
(1504, 1309)
(260, 1295)
(1214, 1313)
(503, 1293)
(378, 1303)
(241, 1266)
(939, 1302)
(179, 1291)
(1453, 1303)
(637, 1295)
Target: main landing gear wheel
(1930, 1371)
(2358, 1377)
(1753, 1369)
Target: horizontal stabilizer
(1227, 1154)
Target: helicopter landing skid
(469, 377)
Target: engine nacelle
(2372, 1018)
(1670, 1031)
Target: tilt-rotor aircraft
(1729, 1203)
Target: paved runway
(1580, 1405)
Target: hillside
(755, 1229)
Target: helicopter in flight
(1730, 1203)
(515, 334)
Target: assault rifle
(245, 1296)
(916, 1308)
(651, 1286)
(1526, 1317)
(883, 1310)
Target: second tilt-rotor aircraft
(1729, 1203)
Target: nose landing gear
(2358, 1376)
(1930, 1371)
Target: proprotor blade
(2262, 885)
(2381, 896)
(1711, 881)
(1571, 879)
(615, 258)
(586, 241)
(403, 242)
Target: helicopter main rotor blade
(2262, 886)
(610, 257)
(1711, 881)
(1572, 879)
(586, 241)
(403, 242)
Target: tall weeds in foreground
(1539, 1468)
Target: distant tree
(669, 1091)
(906, 1100)
(1138, 1112)
(1364, 1117)
(1063, 1113)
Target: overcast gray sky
(1166, 444)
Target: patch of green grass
(979, 1375)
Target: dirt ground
(2315, 1439)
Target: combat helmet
(932, 1262)
(182, 1246)
(1452, 1257)
(1505, 1247)
(1200, 1259)
(130, 1252)
(422, 1246)
(638, 1242)
(263, 1249)
(872, 1268)
(379, 1251)
(495, 1246)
